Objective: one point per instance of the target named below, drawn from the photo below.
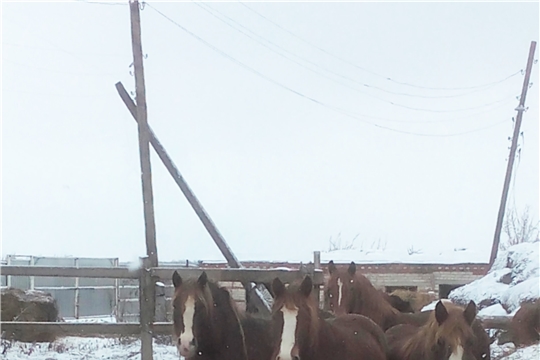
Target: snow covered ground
(509, 352)
(72, 348)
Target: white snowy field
(75, 348)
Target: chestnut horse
(348, 291)
(397, 302)
(208, 326)
(301, 334)
(447, 335)
(525, 326)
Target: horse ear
(352, 268)
(306, 286)
(331, 267)
(203, 279)
(278, 288)
(470, 312)
(441, 314)
(176, 279)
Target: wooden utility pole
(520, 109)
(144, 147)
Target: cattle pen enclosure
(147, 276)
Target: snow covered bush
(513, 279)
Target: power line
(345, 77)
(372, 72)
(207, 8)
(334, 108)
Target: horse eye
(440, 343)
(484, 356)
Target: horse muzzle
(187, 348)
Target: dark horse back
(362, 327)
(396, 336)
(258, 337)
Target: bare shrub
(411, 250)
(335, 244)
(519, 228)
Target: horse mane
(429, 335)
(374, 296)
(202, 294)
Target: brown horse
(348, 291)
(208, 326)
(525, 326)
(301, 334)
(397, 302)
(447, 335)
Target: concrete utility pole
(144, 138)
(520, 109)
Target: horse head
(193, 310)
(449, 334)
(339, 294)
(294, 320)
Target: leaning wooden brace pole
(182, 184)
(520, 109)
(144, 147)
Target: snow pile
(509, 352)
(513, 279)
(493, 310)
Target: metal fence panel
(42, 281)
(94, 302)
(65, 299)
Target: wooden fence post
(317, 266)
(147, 300)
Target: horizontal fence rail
(82, 272)
(496, 322)
(84, 329)
(238, 275)
(242, 275)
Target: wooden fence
(147, 277)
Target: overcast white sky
(288, 134)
